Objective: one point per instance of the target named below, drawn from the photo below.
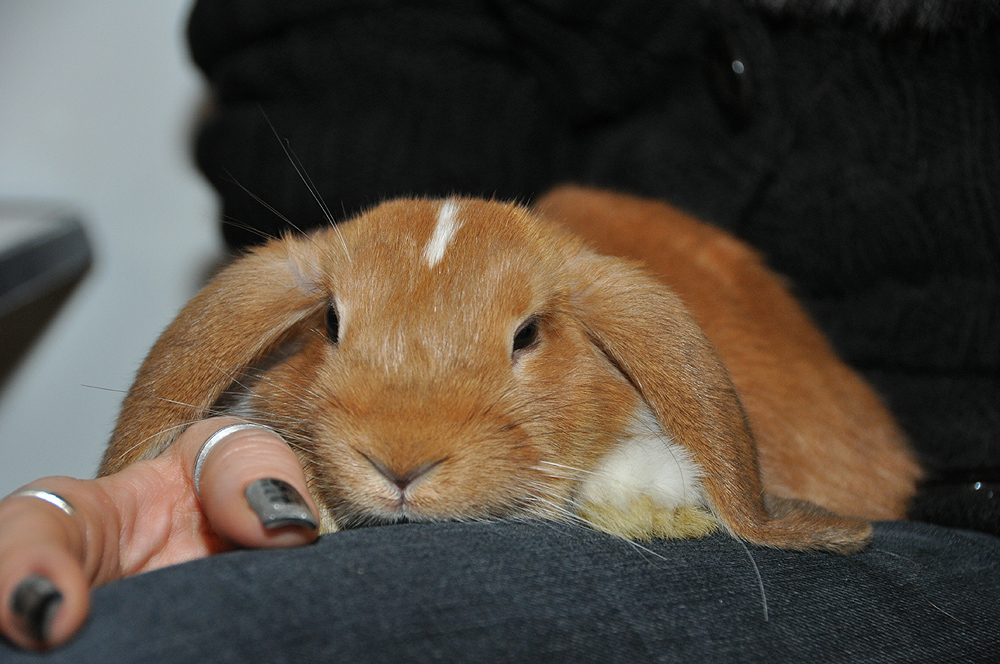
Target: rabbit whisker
(307, 181)
(760, 579)
(270, 208)
(229, 221)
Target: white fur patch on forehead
(447, 225)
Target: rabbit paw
(643, 519)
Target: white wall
(97, 100)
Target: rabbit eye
(526, 335)
(332, 323)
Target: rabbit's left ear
(233, 322)
(648, 333)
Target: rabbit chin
(647, 487)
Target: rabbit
(465, 359)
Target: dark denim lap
(494, 592)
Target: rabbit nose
(403, 478)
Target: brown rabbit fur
(465, 359)
(822, 433)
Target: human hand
(142, 518)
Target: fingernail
(278, 504)
(36, 600)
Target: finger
(44, 583)
(251, 486)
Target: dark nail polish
(278, 504)
(36, 600)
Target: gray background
(97, 102)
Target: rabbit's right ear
(647, 332)
(233, 322)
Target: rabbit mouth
(374, 520)
(349, 518)
(349, 514)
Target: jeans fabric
(540, 592)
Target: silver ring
(47, 496)
(215, 439)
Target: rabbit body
(822, 432)
(467, 359)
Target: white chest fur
(647, 486)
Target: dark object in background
(43, 253)
(42, 248)
(859, 152)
